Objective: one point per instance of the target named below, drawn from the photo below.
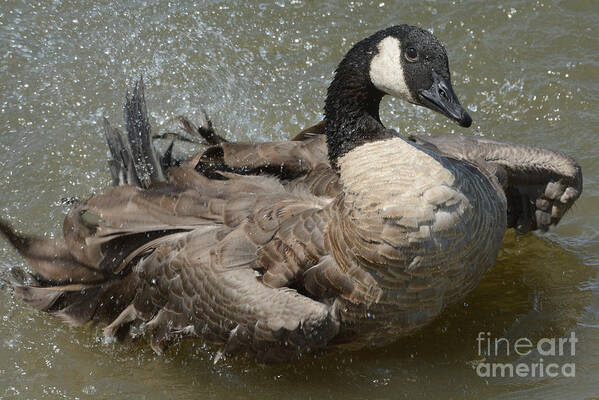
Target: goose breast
(424, 225)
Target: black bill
(442, 99)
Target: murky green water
(528, 71)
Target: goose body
(349, 235)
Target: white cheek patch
(386, 72)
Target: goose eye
(411, 54)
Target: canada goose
(347, 236)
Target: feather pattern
(346, 236)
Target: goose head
(402, 61)
(410, 63)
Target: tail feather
(65, 288)
(121, 164)
(51, 260)
(205, 130)
(36, 297)
(134, 159)
(100, 303)
(146, 161)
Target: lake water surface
(527, 70)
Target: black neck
(351, 112)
